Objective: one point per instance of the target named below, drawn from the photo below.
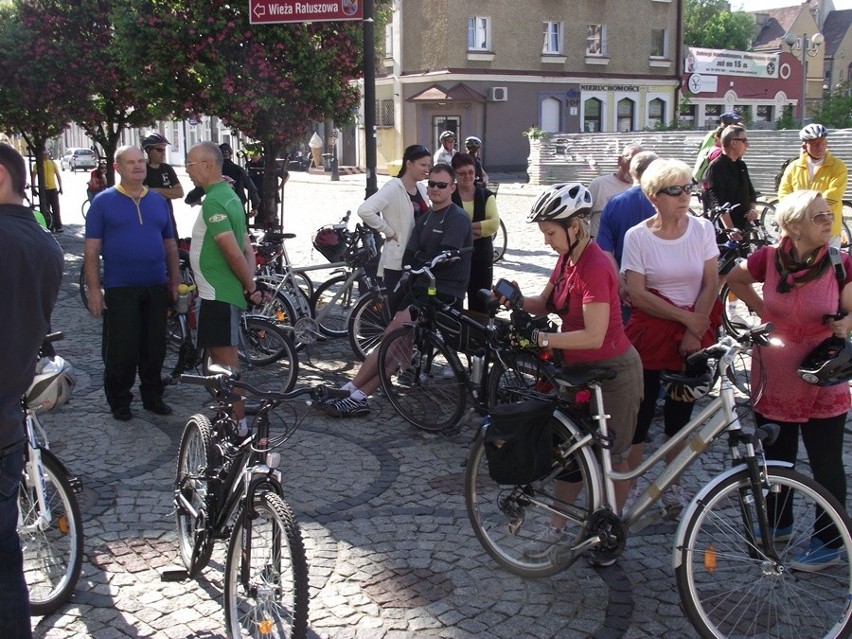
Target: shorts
(218, 324)
(622, 397)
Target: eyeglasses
(826, 217)
(437, 185)
(676, 191)
(189, 164)
(743, 140)
(465, 173)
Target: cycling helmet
(447, 135)
(155, 139)
(560, 202)
(226, 148)
(828, 364)
(52, 385)
(812, 132)
(730, 118)
(689, 385)
(472, 141)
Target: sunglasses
(826, 217)
(437, 185)
(676, 191)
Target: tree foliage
(710, 24)
(835, 109)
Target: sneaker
(816, 558)
(347, 407)
(331, 395)
(674, 500)
(544, 540)
(782, 533)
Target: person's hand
(689, 344)
(528, 333)
(696, 324)
(95, 302)
(752, 215)
(735, 235)
(252, 212)
(391, 238)
(841, 327)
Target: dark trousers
(134, 337)
(481, 276)
(823, 439)
(14, 596)
(676, 414)
(53, 202)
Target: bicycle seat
(584, 376)
(276, 236)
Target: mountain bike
(49, 522)
(230, 487)
(420, 371)
(740, 572)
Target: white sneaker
(674, 500)
(632, 496)
(544, 540)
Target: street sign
(281, 11)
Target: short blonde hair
(793, 208)
(665, 172)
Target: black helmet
(226, 148)
(829, 363)
(689, 385)
(155, 139)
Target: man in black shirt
(728, 181)
(161, 176)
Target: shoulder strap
(839, 271)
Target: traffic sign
(281, 11)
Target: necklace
(439, 228)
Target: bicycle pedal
(174, 573)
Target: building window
(592, 110)
(626, 108)
(764, 113)
(552, 38)
(596, 39)
(384, 113)
(441, 123)
(479, 34)
(388, 40)
(656, 113)
(712, 113)
(659, 43)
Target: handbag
(519, 442)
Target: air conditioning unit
(498, 94)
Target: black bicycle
(229, 487)
(425, 381)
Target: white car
(84, 159)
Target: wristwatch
(543, 340)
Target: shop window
(763, 113)
(625, 115)
(592, 110)
(656, 113)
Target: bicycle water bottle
(182, 301)
(476, 362)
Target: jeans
(14, 596)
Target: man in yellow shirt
(52, 187)
(819, 170)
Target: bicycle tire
(499, 241)
(733, 307)
(845, 232)
(191, 484)
(181, 353)
(84, 207)
(84, 287)
(344, 295)
(728, 585)
(523, 376)
(508, 519)
(268, 343)
(766, 210)
(367, 323)
(422, 378)
(276, 592)
(53, 554)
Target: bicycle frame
(35, 474)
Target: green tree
(710, 24)
(835, 109)
(270, 82)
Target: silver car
(84, 159)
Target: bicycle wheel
(766, 210)
(333, 301)
(266, 574)
(367, 323)
(422, 378)
(84, 287)
(731, 588)
(845, 232)
(266, 343)
(191, 486)
(513, 523)
(735, 312)
(53, 550)
(524, 375)
(181, 353)
(84, 207)
(498, 241)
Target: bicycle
(49, 523)
(500, 237)
(230, 487)
(736, 566)
(420, 372)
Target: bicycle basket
(331, 243)
(519, 442)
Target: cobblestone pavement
(380, 504)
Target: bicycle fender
(686, 516)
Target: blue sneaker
(816, 558)
(782, 533)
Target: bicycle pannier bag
(519, 442)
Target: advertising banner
(725, 62)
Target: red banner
(279, 11)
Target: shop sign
(727, 62)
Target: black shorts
(218, 324)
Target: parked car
(84, 159)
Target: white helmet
(812, 132)
(52, 385)
(473, 141)
(446, 135)
(560, 202)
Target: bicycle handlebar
(440, 258)
(224, 382)
(757, 335)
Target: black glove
(528, 333)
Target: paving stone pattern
(380, 503)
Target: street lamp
(807, 49)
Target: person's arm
(172, 193)
(91, 268)
(834, 188)
(485, 179)
(58, 175)
(172, 265)
(591, 336)
(786, 185)
(491, 223)
(370, 210)
(237, 259)
(740, 281)
(643, 299)
(843, 326)
(254, 196)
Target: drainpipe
(678, 55)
